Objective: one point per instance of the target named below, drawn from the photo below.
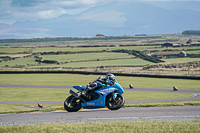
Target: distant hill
(118, 18)
(12, 32)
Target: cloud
(166, 0)
(21, 10)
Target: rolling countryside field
(114, 54)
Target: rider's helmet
(110, 78)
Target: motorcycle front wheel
(72, 104)
(114, 104)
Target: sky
(12, 11)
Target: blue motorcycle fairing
(106, 90)
(103, 93)
(100, 102)
(118, 87)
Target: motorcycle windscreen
(79, 88)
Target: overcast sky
(21, 10)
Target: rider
(108, 80)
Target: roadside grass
(144, 95)
(109, 127)
(49, 94)
(81, 79)
(163, 104)
(40, 95)
(53, 94)
(11, 108)
(23, 108)
(158, 82)
(32, 94)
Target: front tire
(72, 104)
(115, 104)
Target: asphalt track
(188, 113)
(185, 113)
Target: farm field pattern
(115, 55)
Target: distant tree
(191, 32)
(100, 35)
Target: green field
(17, 62)
(49, 94)
(68, 49)
(86, 56)
(14, 50)
(111, 127)
(78, 79)
(175, 48)
(76, 54)
(79, 49)
(181, 60)
(88, 60)
(193, 52)
(40, 95)
(53, 94)
(119, 62)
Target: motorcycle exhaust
(76, 95)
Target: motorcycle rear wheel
(115, 104)
(72, 104)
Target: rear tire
(117, 104)
(72, 104)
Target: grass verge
(60, 107)
(164, 104)
(79, 79)
(51, 94)
(33, 110)
(111, 127)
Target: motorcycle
(102, 96)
